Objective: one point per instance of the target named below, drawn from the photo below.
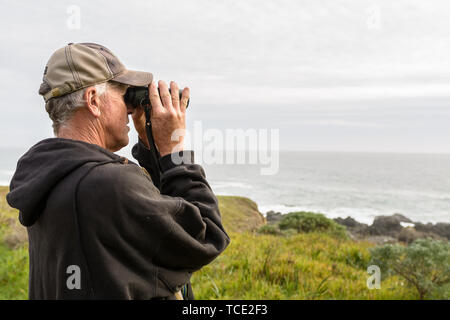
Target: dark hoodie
(99, 228)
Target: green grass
(254, 266)
(239, 214)
(13, 273)
(303, 266)
(13, 253)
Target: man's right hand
(168, 116)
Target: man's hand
(168, 118)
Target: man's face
(115, 118)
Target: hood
(42, 167)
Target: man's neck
(87, 134)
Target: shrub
(269, 229)
(425, 265)
(304, 222)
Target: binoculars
(138, 97)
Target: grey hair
(62, 109)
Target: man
(100, 226)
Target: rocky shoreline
(385, 229)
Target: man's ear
(92, 99)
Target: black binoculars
(138, 97)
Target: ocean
(359, 185)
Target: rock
(394, 228)
(441, 229)
(401, 218)
(355, 229)
(408, 235)
(348, 222)
(388, 225)
(273, 217)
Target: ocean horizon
(361, 185)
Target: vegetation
(240, 214)
(302, 266)
(13, 273)
(425, 265)
(13, 253)
(304, 222)
(304, 257)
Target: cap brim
(134, 78)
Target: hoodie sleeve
(197, 234)
(179, 227)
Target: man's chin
(121, 144)
(126, 141)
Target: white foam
(279, 208)
(363, 215)
(406, 224)
(230, 184)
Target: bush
(425, 265)
(269, 229)
(304, 222)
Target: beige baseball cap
(80, 65)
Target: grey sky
(331, 75)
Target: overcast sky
(356, 75)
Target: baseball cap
(80, 65)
